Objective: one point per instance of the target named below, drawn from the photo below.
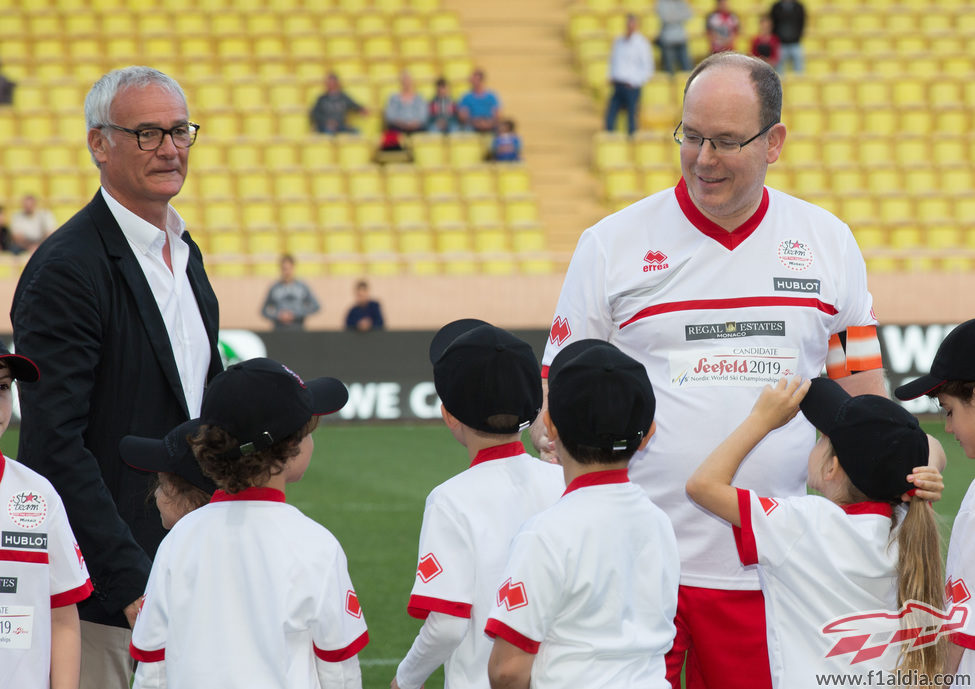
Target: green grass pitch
(367, 484)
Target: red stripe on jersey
(147, 656)
(24, 556)
(421, 606)
(884, 509)
(544, 371)
(731, 303)
(744, 535)
(963, 640)
(494, 628)
(598, 478)
(75, 595)
(253, 493)
(728, 240)
(343, 653)
(499, 452)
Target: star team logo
(655, 260)
(352, 604)
(795, 255)
(513, 596)
(429, 568)
(560, 331)
(27, 510)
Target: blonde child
(853, 551)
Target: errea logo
(655, 260)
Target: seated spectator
(507, 144)
(479, 109)
(30, 226)
(406, 111)
(366, 313)
(766, 45)
(328, 116)
(443, 111)
(722, 27)
(289, 301)
(6, 90)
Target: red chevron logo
(956, 591)
(352, 604)
(657, 257)
(560, 331)
(428, 568)
(512, 595)
(768, 504)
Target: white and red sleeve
(445, 573)
(583, 309)
(960, 569)
(149, 635)
(527, 599)
(769, 528)
(340, 629)
(69, 575)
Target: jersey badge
(655, 260)
(352, 604)
(429, 568)
(560, 331)
(795, 255)
(8, 584)
(25, 541)
(27, 509)
(81, 558)
(513, 596)
(956, 591)
(768, 504)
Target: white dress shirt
(631, 60)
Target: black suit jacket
(84, 312)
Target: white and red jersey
(960, 578)
(250, 580)
(714, 316)
(468, 524)
(591, 587)
(829, 575)
(41, 568)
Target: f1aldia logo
(656, 260)
(867, 636)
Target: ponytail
(920, 577)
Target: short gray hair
(98, 102)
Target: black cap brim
(328, 395)
(822, 403)
(21, 368)
(450, 332)
(170, 454)
(916, 388)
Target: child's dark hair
(587, 454)
(235, 474)
(187, 496)
(962, 389)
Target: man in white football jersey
(720, 286)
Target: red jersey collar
(598, 478)
(3, 464)
(728, 240)
(498, 452)
(884, 509)
(265, 494)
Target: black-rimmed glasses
(151, 138)
(719, 144)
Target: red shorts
(721, 639)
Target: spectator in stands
(630, 67)
(4, 231)
(788, 22)
(6, 90)
(673, 35)
(289, 301)
(479, 109)
(722, 27)
(443, 111)
(765, 46)
(30, 225)
(328, 116)
(406, 110)
(365, 313)
(507, 144)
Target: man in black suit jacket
(118, 313)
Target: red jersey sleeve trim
(420, 607)
(75, 595)
(147, 656)
(744, 535)
(344, 653)
(544, 371)
(494, 628)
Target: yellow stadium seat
(453, 241)
(513, 180)
(378, 47)
(811, 180)
(522, 212)
(879, 120)
(303, 242)
(416, 241)
(380, 240)
(370, 214)
(622, 182)
(465, 150)
(242, 156)
(428, 150)
(254, 184)
(281, 155)
(948, 151)
(296, 215)
(352, 150)
(218, 215)
(20, 156)
(409, 213)
(443, 21)
(402, 181)
(651, 148)
(484, 212)
(52, 157)
(953, 119)
(612, 149)
(883, 179)
(415, 46)
(956, 179)
(528, 239)
(922, 180)
(365, 183)
(341, 242)
(451, 44)
(221, 126)
(911, 151)
(477, 182)
(371, 23)
(63, 186)
(258, 215)
(328, 183)
(844, 121)
(659, 177)
(217, 185)
(439, 183)
(317, 152)
(934, 208)
(290, 185)
(264, 242)
(447, 214)
(857, 208)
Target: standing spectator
(365, 314)
(6, 90)
(30, 225)
(331, 110)
(673, 34)
(722, 27)
(479, 108)
(443, 111)
(788, 23)
(717, 262)
(630, 67)
(116, 309)
(507, 144)
(406, 111)
(765, 46)
(289, 301)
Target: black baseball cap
(171, 454)
(600, 397)
(877, 442)
(21, 368)
(261, 401)
(481, 371)
(955, 360)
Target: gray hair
(98, 102)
